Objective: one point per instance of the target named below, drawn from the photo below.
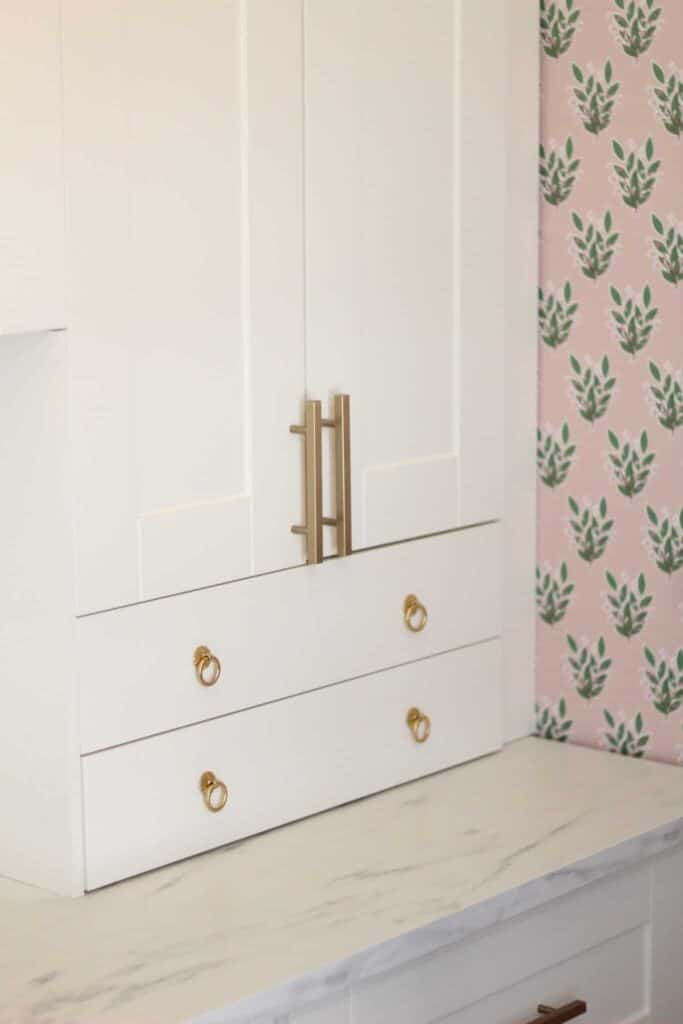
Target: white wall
(38, 750)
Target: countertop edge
(336, 977)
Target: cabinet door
(404, 201)
(184, 175)
(32, 193)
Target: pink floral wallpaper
(609, 581)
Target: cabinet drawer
(610, 978)
(143, 804)
(592, 945)
(283, 634)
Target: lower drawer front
(143, 805)
(284, 634)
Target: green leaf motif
(664, 677)
(594, 244)
(630, 463)
(556, 315)
(554, 455)
(666, 394)
(553, 594)
(595, 97)
(624, 737)
(589, 666)
(664, 539)
(667, 93)
(636, 25)
(633, 320)
(591, 528)
(593, 387)
(635, 173)
(558, 26)
(552, 722)
(628, 604)
(558, 170)
(667, 245)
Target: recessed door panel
(404, 254)
(184, 169)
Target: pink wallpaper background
(609, 584)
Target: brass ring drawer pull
(419, 724)
(214, 791)
(414, 614)
(207, 667)
(551, 1015)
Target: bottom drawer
(143, 804)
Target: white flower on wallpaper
(609, 583)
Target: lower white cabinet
(599, 945)
(591, 946)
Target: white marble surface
(251, 931)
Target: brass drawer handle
(419, 724)
(207, 667)
(414, 614)
(550, 1015)
(214, 791)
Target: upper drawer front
(283, 634)
(143, 805)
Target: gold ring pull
(214, 791)
(419, 724)
(414, 614)
(207, 667)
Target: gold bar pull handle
(560, 1014)
(342, 416)
(312, 434)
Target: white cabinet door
(32, 193)
(404, 202)
(270, 201)
(184, 172)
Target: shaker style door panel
(184, 171)
(32, 193)
(404, 191)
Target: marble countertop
(249, 931)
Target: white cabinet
(271, 203)
(610, 945)
(275, 202)
(32, 191)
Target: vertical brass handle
(312, 434)
(214, 791)
(561, 1014)
(342, 417)
(207, 667)
(419, 724)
